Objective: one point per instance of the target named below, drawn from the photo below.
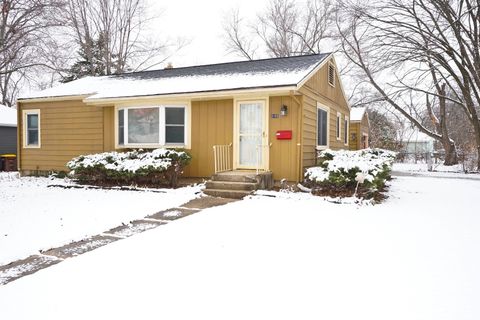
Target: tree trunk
(449, 146)
(450, 153)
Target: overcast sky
(201, 21)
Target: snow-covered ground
(34, 217)
(291, 257)
(423, 167)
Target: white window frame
(331, 66)
(327, 109)
(161, 127)
(25, 129)
(347, 131)
(338, 126)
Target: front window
(143, 125)
(322, 127)
(32, 128)
(151, 126)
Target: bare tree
(419, 47)
(284, 28)
(23, 29)
(118, 27)
(236, 40)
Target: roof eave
(54, 98)
(193, 95)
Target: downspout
(19, 126)
(298, 146)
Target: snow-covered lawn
(416, 256)
(34, 217)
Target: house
(359, 128)
(8, 130)
(416, 142)
(266, 115)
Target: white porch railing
(260, 154)
(222, 157)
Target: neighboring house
(8, 130)
(359, 128)
(414, 141)
(268, 115)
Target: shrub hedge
(343, 172)
(136, 167)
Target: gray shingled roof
(253, 66)
(232, 76)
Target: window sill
(151, 146)
(32, 147)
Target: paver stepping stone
(77, 248)
(133, 228)
(207, 202)
(172, 214)
(25, 267)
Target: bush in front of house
(347, 173)
(138, 167)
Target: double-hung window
(31, 120)
(152, 126)
(322, 126)
(174, 125)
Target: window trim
(161, 126)
(331, 66)
(327, 109)
(338, 126)
(346, 134)
(25, 128)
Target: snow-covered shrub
(340, 172)
(141, 167)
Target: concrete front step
(234, 177)
(222, 193)
(232, 185)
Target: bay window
(152, 126)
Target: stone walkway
(47, 258)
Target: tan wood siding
(108, 128)
(359, 128)
(317, 89)
(212, 124)
(67, 129)
(284, 154)
(354, 131)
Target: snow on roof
(276, 72)
(356, 114)
(8, 116)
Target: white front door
(251, 135)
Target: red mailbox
(284, 135)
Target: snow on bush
(344, 170)
(131, 167)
